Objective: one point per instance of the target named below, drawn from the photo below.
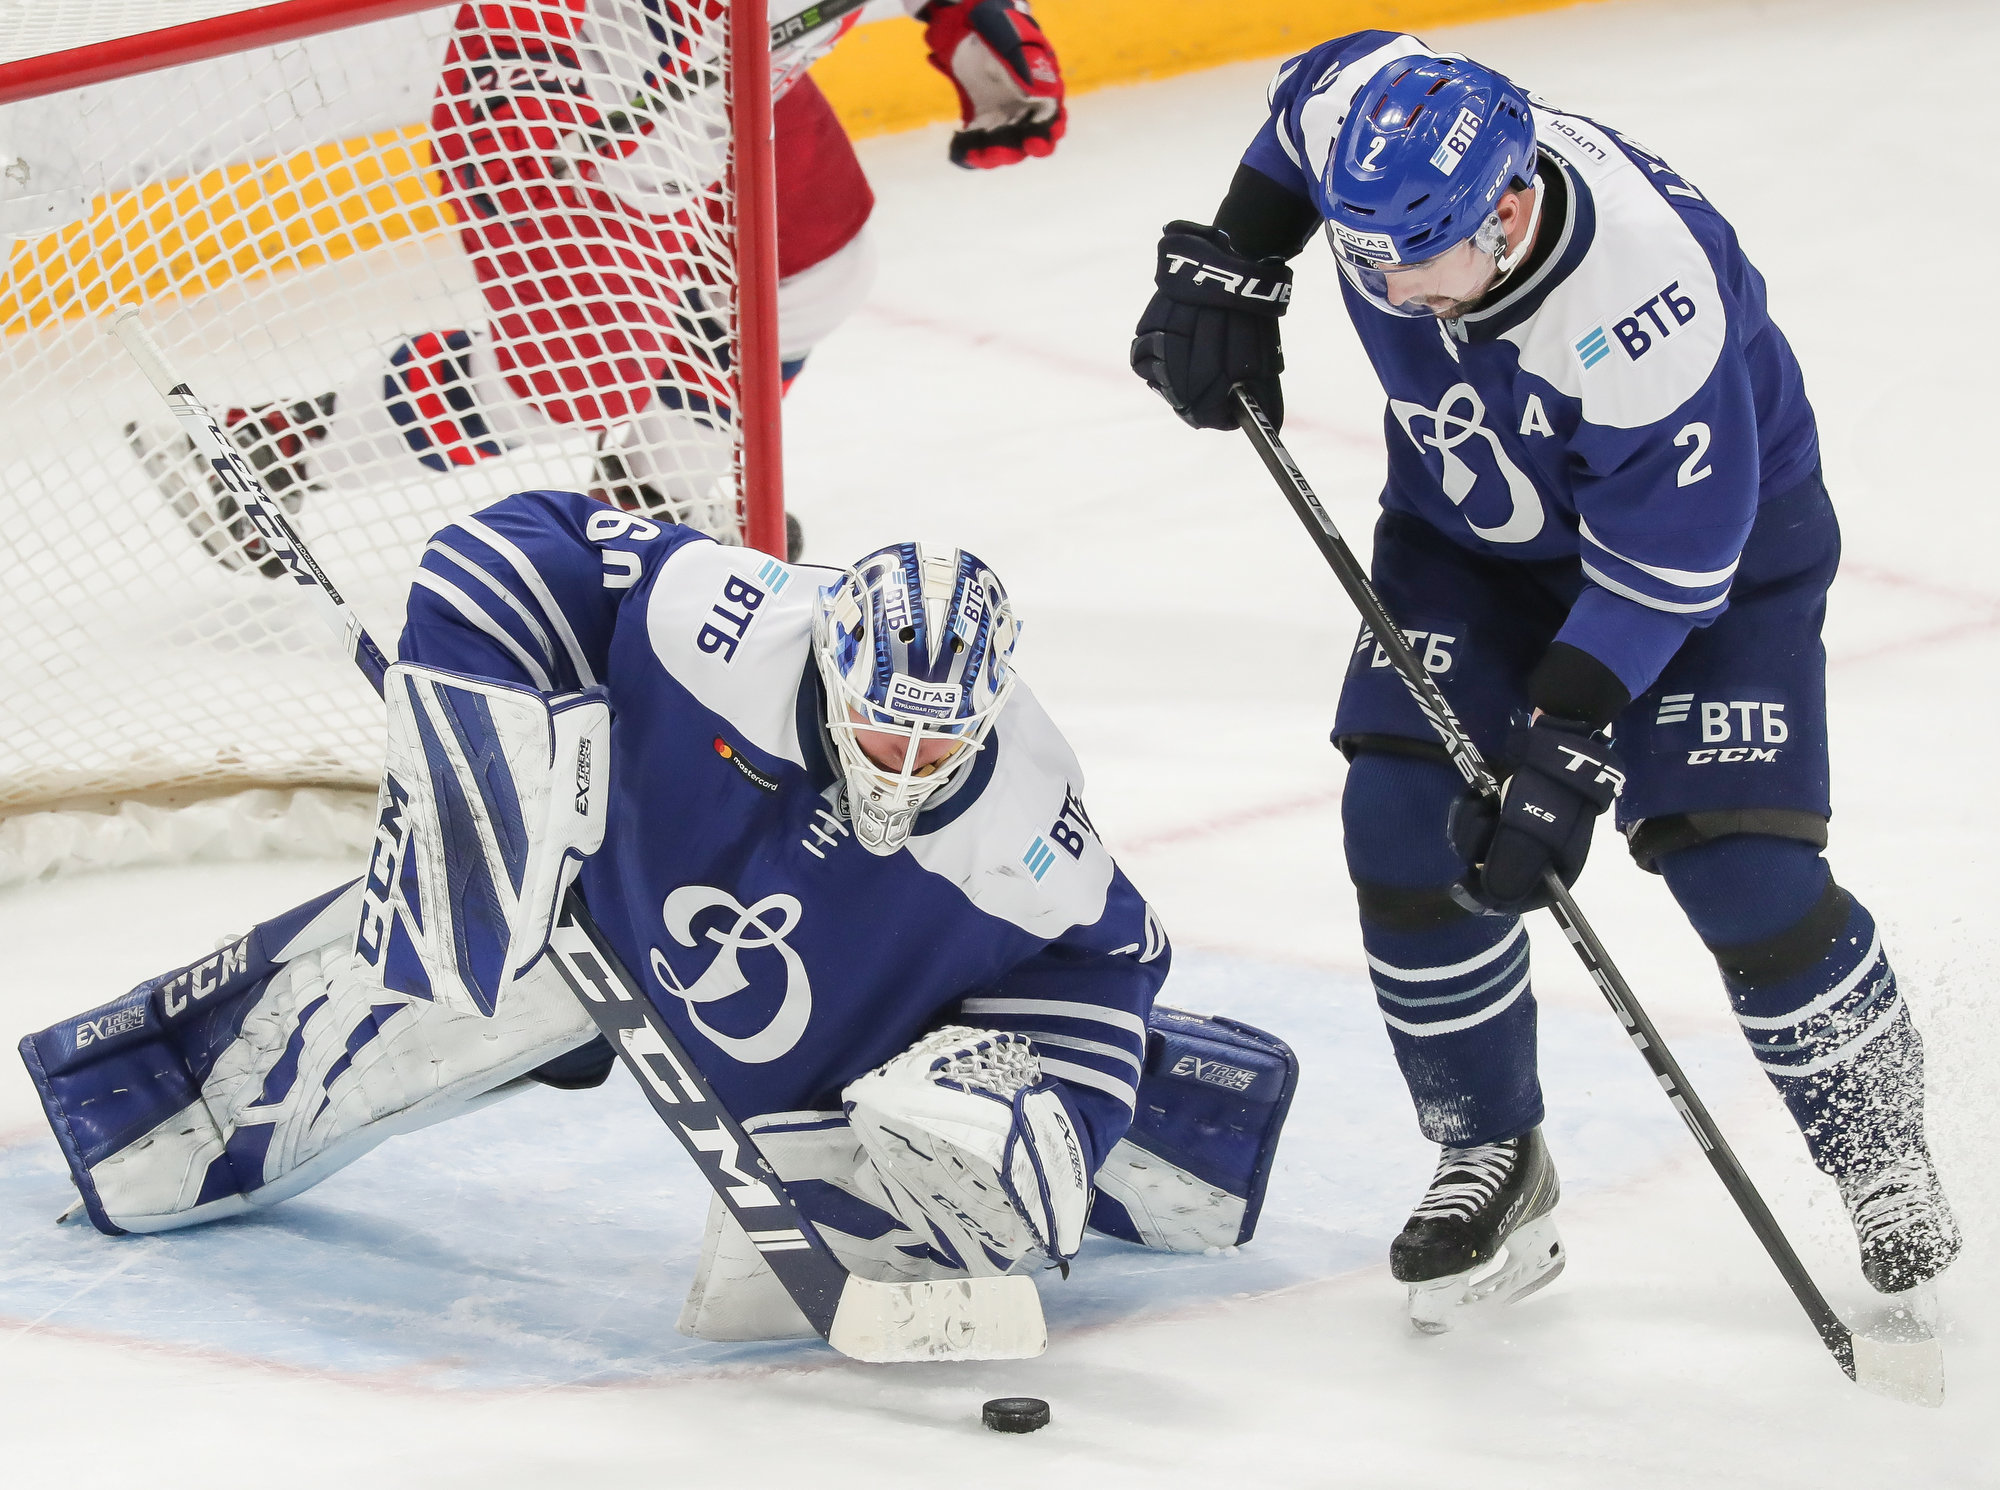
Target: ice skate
(275, 437)
(1902, 1222)
(1483, 1235)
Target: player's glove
(1213, 323)
(1564, 775)
(1010, 86)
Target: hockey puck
(1015, 1414)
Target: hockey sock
(1814, 992)
(1453, 987)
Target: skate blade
(1900, 1355)
(1531, 1259)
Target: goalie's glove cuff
(1563, 777)
(1043, 1170)
(1212, 323)
(1009, 84)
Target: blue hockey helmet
(1428, 148)
(915, 645)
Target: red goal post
(286, 191)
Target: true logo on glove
(1247, 286)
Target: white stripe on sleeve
(1606, 581)
(1124, 1091)
(1058, 1009)
(1687, 579)
(467, 607)
(538, 587)
(506, 597)
(1089, 1047)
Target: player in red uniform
(575, 140)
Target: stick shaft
(1590, 951)
(235, 473)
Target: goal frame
(752, 167)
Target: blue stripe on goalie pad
(479, 921)
(1212, 1101)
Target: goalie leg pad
(1191, 1172)
(492, 798)
(242, 1079)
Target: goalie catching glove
(1010, 86)
(979, 1142)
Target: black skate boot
(1903, 1223)
(275, 437)
(612, 483)
(1483, 1235)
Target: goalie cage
(310, 190)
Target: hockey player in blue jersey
(841, 847)
(1605, 532)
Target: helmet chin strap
(1504, 262)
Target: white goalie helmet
(914, 644)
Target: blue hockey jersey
(1629, 403)
(787, 957)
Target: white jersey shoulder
(734, 627)
(1636, 328)
(1023, 852)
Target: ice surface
(491, 1303)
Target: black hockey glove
(1212, 324)
(1563, 776)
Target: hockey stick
(965, 1319)
(1912, 1370)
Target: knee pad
(1762, 904)
(1393, 813)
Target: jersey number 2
(1692, 470)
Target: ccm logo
(199, 981)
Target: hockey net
(421, 262)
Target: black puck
(1015, 1414)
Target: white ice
(491, 1303)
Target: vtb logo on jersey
(761, 927)
(1461, 417)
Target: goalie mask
(914, 645)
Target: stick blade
(965, 1319)
(1908, 1370)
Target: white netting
(423, 263)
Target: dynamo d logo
(758, 928)
(1449, 429)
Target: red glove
(1010, 87)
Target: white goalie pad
(491, 799)
(324, 1065)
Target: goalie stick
(964, 1319)
(1911, 1370)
